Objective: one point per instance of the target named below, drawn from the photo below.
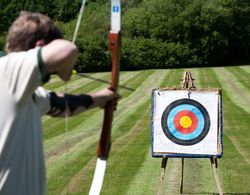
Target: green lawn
(71, 152)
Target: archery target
(186, 123)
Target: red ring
(191, 115)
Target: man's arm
(75, 104)
(59, 58)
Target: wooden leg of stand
(182, 175)
(163, 171)
(214, 166)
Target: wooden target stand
(187, 83)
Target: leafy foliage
(92, 55)
(197, 32)
(63, 10)
(155, 33)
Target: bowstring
(66, 86)
(67, 110)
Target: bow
(105, 139)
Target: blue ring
(178, 134)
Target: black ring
(176, 140)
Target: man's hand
(102, 97)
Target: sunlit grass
(71, 154)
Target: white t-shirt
(22, 101)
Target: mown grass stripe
(172, 176)
(84, 185)
(130, 118)
(91, 86)
(203, 174)
(60, 174)
(83, 124)
(242, 150)
(56, 83)
(246, 68)
(99, 84)
(67, 137)
(129, 152)
(173, 79)
(135, 82)
(56, 126)
(146, 179)
(241, 75)
(125, 106)
(239, 94)
(85, 84)
(233, 169)
(123, 143)
(71, 171)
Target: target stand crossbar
(187, 126)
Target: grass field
(71, 152)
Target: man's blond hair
(29, 28)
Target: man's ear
(40, 43)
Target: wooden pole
(163, 171)
(182, 175)
(214, 165)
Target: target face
(185, 122)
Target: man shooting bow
(35, 49)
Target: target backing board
(186, 123)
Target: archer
(35, 50)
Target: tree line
(155, 33)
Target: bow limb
(105, 140)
